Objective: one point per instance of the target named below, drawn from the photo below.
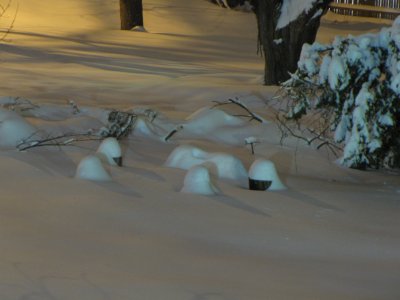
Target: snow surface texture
(198, 181)
(91, 168)
(223, 165)
(332, 235)
(262, 169)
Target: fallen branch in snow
(109, 123)
(119, 124)
(60, 140)
(172, 133)
(236, 101)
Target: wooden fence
(386, 9)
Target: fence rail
(385, 9)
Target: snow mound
(13, 129)
(144, 128)
(198, 181)
(91, 168)
(110, 151)
(224, 165)
(155, 126)
(217, 125)
(208, 119)
(262, 169)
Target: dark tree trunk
(231, 3)
(282, 47)
(131, 13)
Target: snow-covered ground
(148, 233)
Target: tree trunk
(282, 47)
(131, 12)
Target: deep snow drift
(148, 233)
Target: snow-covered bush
(91, 168)
(222, 164)
(198, 181)
(355, 83)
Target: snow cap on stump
(264, 170)
(91, 168)
(110, 151)
(198, 181)
(139, 29)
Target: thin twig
(11, 26)
(236, 101)
(4, 8)
(173, 132)
(60, 140)
(321, 136)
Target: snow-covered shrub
(355, 83)
(198, 181)
(222, 164)
(91, 168)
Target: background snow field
(150, 232)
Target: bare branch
(320, 134)
(60, 140)
(3, 10)
(236, 101)
(173, 132)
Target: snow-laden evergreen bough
(355, 84)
